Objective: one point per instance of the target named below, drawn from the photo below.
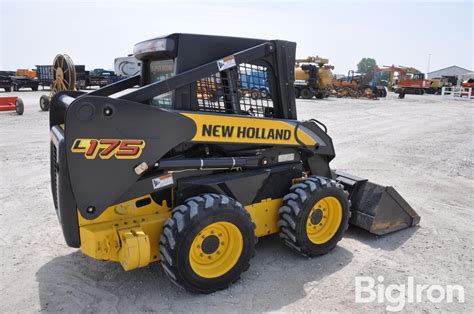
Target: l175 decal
(107, 148)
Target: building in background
(452, 71)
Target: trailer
(12, 104)
(20, 81)
(45, 76)
(127, 66)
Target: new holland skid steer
(191, 178)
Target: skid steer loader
(166, 173)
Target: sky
(94, 33)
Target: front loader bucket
(375, 208)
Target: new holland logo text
(106, 148)
(229, 131)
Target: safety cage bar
(245, 64)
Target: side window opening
(159, 71)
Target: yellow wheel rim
(324, 220)
(216, 249)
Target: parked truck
(6, 81)
(101, 77)
(313, 77)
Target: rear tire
(207, 243)
(44, 103)
(19, 107)
(254, 93)
(314, 216)
(306, 93)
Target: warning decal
(226, 63)
(162, 181)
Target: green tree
(365, 65)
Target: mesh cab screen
(244, 89)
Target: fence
(457, 93)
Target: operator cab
(243, 89)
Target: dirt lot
(421, 145)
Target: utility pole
(429, 60)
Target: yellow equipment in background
(437, 84)
(313, 77)
(345, 86)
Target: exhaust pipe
(375, 208)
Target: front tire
(314, 216)
(207, 243)
(306, 93)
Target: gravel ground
(421, 145)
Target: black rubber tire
(34, 88)
(306, 93)
(319, 95)
(401, 94)
(44, 103)
(297, 205)
(264, 94)
(254, 93)
(297, 92)
(19, 106)
(8, 89)
(186, 222)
